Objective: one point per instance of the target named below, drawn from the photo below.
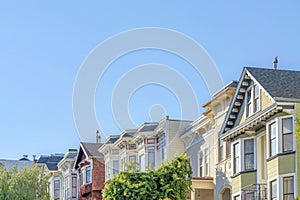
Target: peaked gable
(249, 101)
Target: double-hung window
(201, 164)
(206, 161)
(256, 101)
(288, 188)
(88, 177)
(273, 190)
(236, 158)
(151, 159)
(249, 154)
(287, 134)
(252, 100)
(115, 167)
(56, 189)
(74, 187)
(273, 139)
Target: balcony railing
(255, 192)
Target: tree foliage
(170, 181)
(26, 184)
(298, 128)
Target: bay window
(280, 135)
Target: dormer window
(252, 100)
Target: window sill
(280, 154)
(243, 172)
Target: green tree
(26, 184)
(170, 181)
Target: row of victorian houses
(242, 147)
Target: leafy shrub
(170, 181)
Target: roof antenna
(275, 62)
(98, 137)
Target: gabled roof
(280, 84)
(89, 150)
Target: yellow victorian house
(260, 127)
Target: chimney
(98, 137)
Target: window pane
(273, 147)
(256, 91)
(273, 130)
(249, 146)
(288, 142)
(206, 155)
(228, 149)
(274, 189)
(287, 125)
(132, 159)
(151, 159)
(257, 104)
(236, 158)
(249, 161)
(236, 150)
(115, 167)
(142, 162)
(88, 175)
(288, 185)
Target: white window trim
(278, 122)
(206, 171)
(280, 184)
(242, 151)
(199, 164)
(269, 186)
(233, 153)
(251, 89)
(237, 194)
(241, 154)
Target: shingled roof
(280, 84)
(91, 149)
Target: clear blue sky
(43, 44)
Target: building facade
(145, 147)
(68, 176)
(260, 127)
(205, 150)
(90, 167)
(49, 166)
